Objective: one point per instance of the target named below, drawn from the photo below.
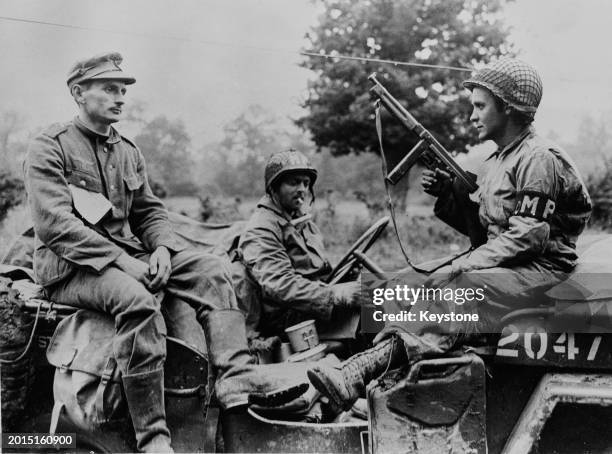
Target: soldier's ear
(77, 93)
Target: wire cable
(245, 46)
(379, 60)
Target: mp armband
(534, 205)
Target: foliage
(165, 145)
(11, 192)
(158, 188)
(235, 165)
(424, 236)
(599, 185)
(442, 32)
(12, 149)
(592, 151)
(592, 148)
(220, 211)
(349, 173)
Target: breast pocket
(133, 184)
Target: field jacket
(286, 258)
(533, 205)
(69, 156)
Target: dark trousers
(140, 341)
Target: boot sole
(321, 384)
(278, 397)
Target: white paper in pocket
(92, 206)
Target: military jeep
(541, 388)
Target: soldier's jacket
(532, 203)
(71, 154)
(286, 258)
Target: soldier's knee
(135, 301)
(213, 265)
(209, 276)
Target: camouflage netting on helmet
(288, 161)
(514, 81)
(16, 376)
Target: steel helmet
(288, 161)
(517, 83)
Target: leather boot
(145, 397)
(345, 383)
(239, 379)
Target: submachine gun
(428, 151)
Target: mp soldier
(532, 206)
(104, 242)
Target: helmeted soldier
(282, 249)
(103, 242)
(531, 207)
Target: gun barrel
(395, 107)
(411, 123)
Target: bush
(424, 237)
(219, 210)
(158, 188)
(12, 192)
(600, 188)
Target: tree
(236, 164)
(454, 33)
(592, 152)
(12, 192)
(12, 149)
(165, 144)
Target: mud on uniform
(73, 259)
(533, 205)
(286, 259)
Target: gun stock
(428, 150)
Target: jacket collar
(529, 130)
(269, 204)
(110, 139)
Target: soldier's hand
(354, 272)
(138, 269)
(160, 268)
(348, 295)
(434, 182)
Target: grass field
(423, 236)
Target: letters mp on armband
(534, 205)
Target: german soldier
(103, 242)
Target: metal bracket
(552, 389)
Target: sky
(206, 61)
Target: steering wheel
(356, 253)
